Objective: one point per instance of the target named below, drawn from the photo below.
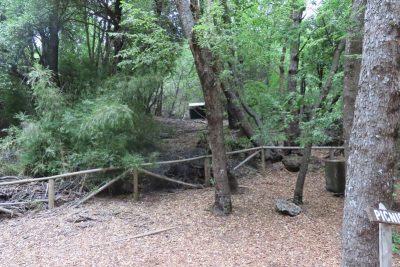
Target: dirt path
(254, 235)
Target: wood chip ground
(101, 232)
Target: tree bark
(117, 41)
(189, 14)
(50, 41)
(301, 178)
(352, 68)
(372, 155)
(293, 130)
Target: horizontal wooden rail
(155, 163)
(299, 147)
(175, 161)
(244, 150)
(24, 181)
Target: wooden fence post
(207, 172)
(331, 153)
(135, 185)
(385, 242)
(51, 193)
(263, 160)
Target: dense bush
(103, 129)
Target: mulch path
(101, 232)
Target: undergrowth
(396, 242)
(106, 128)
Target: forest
(108, 85)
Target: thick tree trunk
(117, 41)
(206, 68)
(293, 130)
(352, 68)
(372, 156)
(233, 123)
(50, 41)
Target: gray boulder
(292, 162)
(287, 207)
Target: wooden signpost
(385, 218)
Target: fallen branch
(11, 178)
(24, 203)
(140, 235)
(92, 194)
(7, 211)
(162, 177)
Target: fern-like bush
(103, 129)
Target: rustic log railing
(137, 170)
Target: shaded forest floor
(100, 233)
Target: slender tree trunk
(301, 177)
(293, 130)
(206, 68)
(158, 110)
(352, 68)
(86, 26)
(282, 71)
(372, 156)
(94, 35)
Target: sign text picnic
(384, 216)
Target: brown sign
(384, 216)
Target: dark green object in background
(335, 175)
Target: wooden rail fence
(135, 172)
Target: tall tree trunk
(189, 13)
(352, 68)
(293, 130)
(301, 177)
(50, 41)
(372, 156)
(117, 41)
(86, 26)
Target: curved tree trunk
(206, 68)
(301, 177)
(372, 156)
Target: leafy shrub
(104, 129)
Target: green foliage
(270, 105)
(149, 45)
(182, 86)
(396, 242)
(14, 98)
(98, 131)
(98, 113)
